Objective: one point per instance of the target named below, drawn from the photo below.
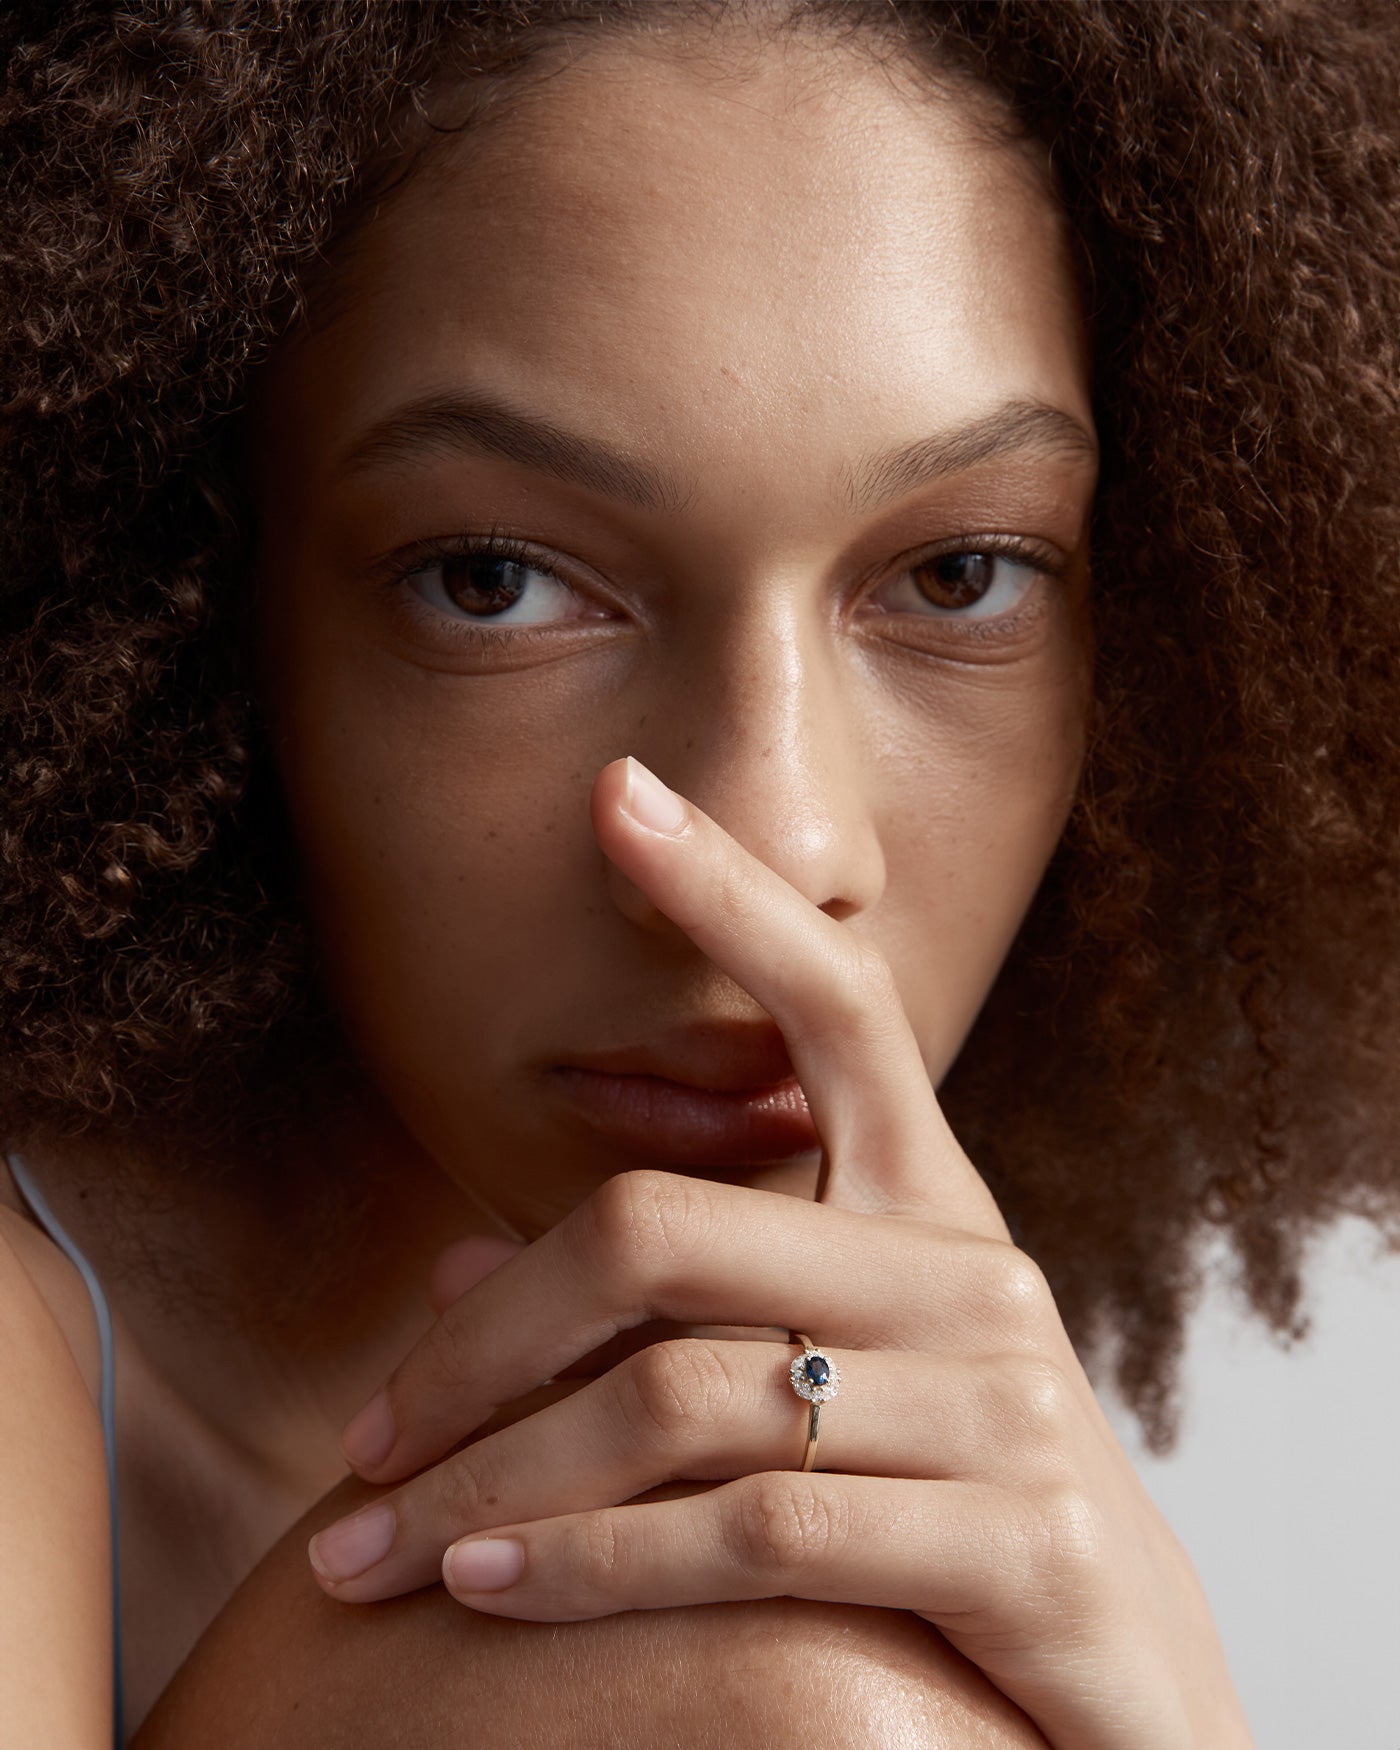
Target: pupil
(963, 578)
(494, 584)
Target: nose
(758, 722)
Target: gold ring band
(815, 1377)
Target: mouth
(680, 1125)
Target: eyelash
(408, 563)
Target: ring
(815, 1378)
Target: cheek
(439, 837)
(981, 827)
(456, 886)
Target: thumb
(463, 1264)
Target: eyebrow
(450, 423)
(1024, 427)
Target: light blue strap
(108, 1399)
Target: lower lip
(684, 1126)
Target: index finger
(888, 1148)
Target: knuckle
(863, 985)
(677, 1389)
(468, 1489)
(731, 896)
(622, 1206)
(1014, 1293)
(782, 1523)
(872, 976)
(642, 1221)
(600, 1553)
(1070, 1549)
(452, 1355)
(1036, 1400)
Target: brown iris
(962, 578)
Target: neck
(271, 1296)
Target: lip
(717, 1057)
(681, 1125)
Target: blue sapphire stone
(817, 1370)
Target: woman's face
(774, 385)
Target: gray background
(1285, 1488)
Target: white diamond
(804, 1387)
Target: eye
(980, 583)
(494, 581)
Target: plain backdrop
(1285, 1488)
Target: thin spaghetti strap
(108, 1404)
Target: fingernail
(487, 1564)
(649, 801)
(348, 1547)
(368, 1437)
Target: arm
(55, 1612)
(284, 1664)
(971, 1476)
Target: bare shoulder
(55, 1611)
(54, 1277)
(284, 1664)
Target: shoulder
(55, 1610)
(708, 1677)
(54, 1278)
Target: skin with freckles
(768, 461)
(773, 385)
(829, 580)
(723, 403)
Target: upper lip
(718, 1056)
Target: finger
(463, 1264)
(701, 1410)
(649, 1244)
(888, 1147)
(946, 1549)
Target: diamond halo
(814, 1391)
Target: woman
(428, 428)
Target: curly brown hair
(1198, 1020)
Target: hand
(968, 1472)
(283, 1665)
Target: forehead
(801, 243)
